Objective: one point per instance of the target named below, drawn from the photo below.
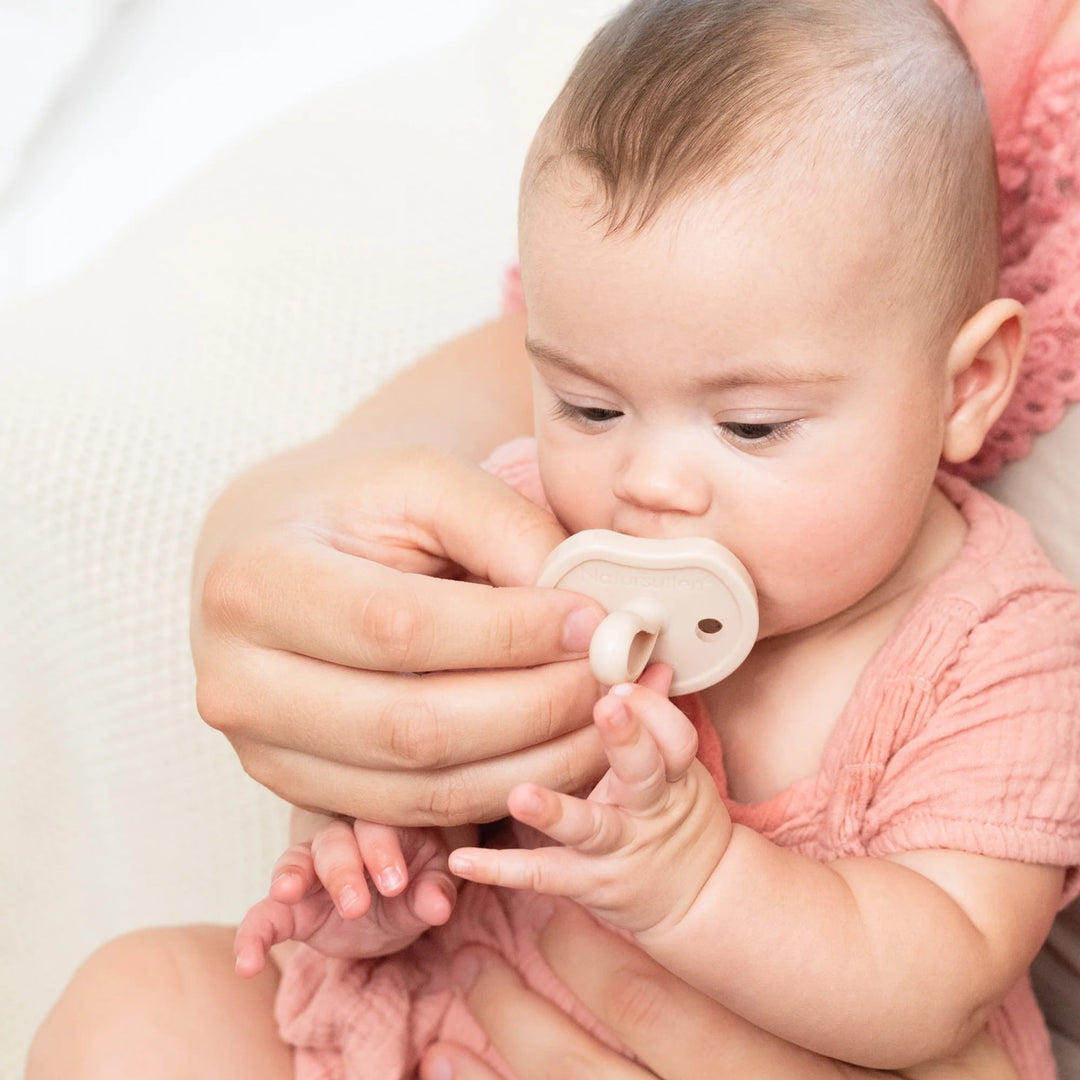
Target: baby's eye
(584, 414)
(752, 432)
(758, 434)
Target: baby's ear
(983, 364)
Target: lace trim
(1039, 164)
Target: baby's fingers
(594, 828)
(432, 897)
(669, 729)
(293, 875)
(639, 775)
(554, 871)
(265, 925)
(381, 855)
(340, 868)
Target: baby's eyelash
(583, 414)
(748, 434)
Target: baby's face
(741, 372)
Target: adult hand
(675, 1031)
(313, 604)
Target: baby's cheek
(576, 502)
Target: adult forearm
(467, 396)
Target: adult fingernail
(579, 628)
(464, 970)
(390, 880)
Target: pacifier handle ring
(622, 644)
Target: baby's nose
(665, 480)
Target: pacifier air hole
(707, 628)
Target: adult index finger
(305, 597)
(386, 721)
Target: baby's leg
(163, 1004)
(983, 1059)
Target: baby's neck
(775, 714)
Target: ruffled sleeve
(995, 767)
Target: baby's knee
(128, 1001)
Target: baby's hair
(676, 97)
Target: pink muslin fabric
(1033, 89)
(963, 732)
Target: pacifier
(685, 602)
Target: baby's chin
(778, 619)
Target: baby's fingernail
(349, 899)
(579, 628)
(530, 801)
(623, 689)
(438, 1069)
(279, 880)
(464, 971)
(390, 880)
(244, 963)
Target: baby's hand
(641, 847)
(319, 893)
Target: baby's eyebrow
(765, 374)
(552, 355)
(548, 354)
(770, 375)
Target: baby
(759, 256)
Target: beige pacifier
(688, 603)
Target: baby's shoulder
(1002, 576)
(997, 625)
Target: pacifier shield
(686, 602)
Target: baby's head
(872, 104)
(759, 250)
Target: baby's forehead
(795, 193)
(822, 249)
(903, 241)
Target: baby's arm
(885, 963)
(354, 889)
